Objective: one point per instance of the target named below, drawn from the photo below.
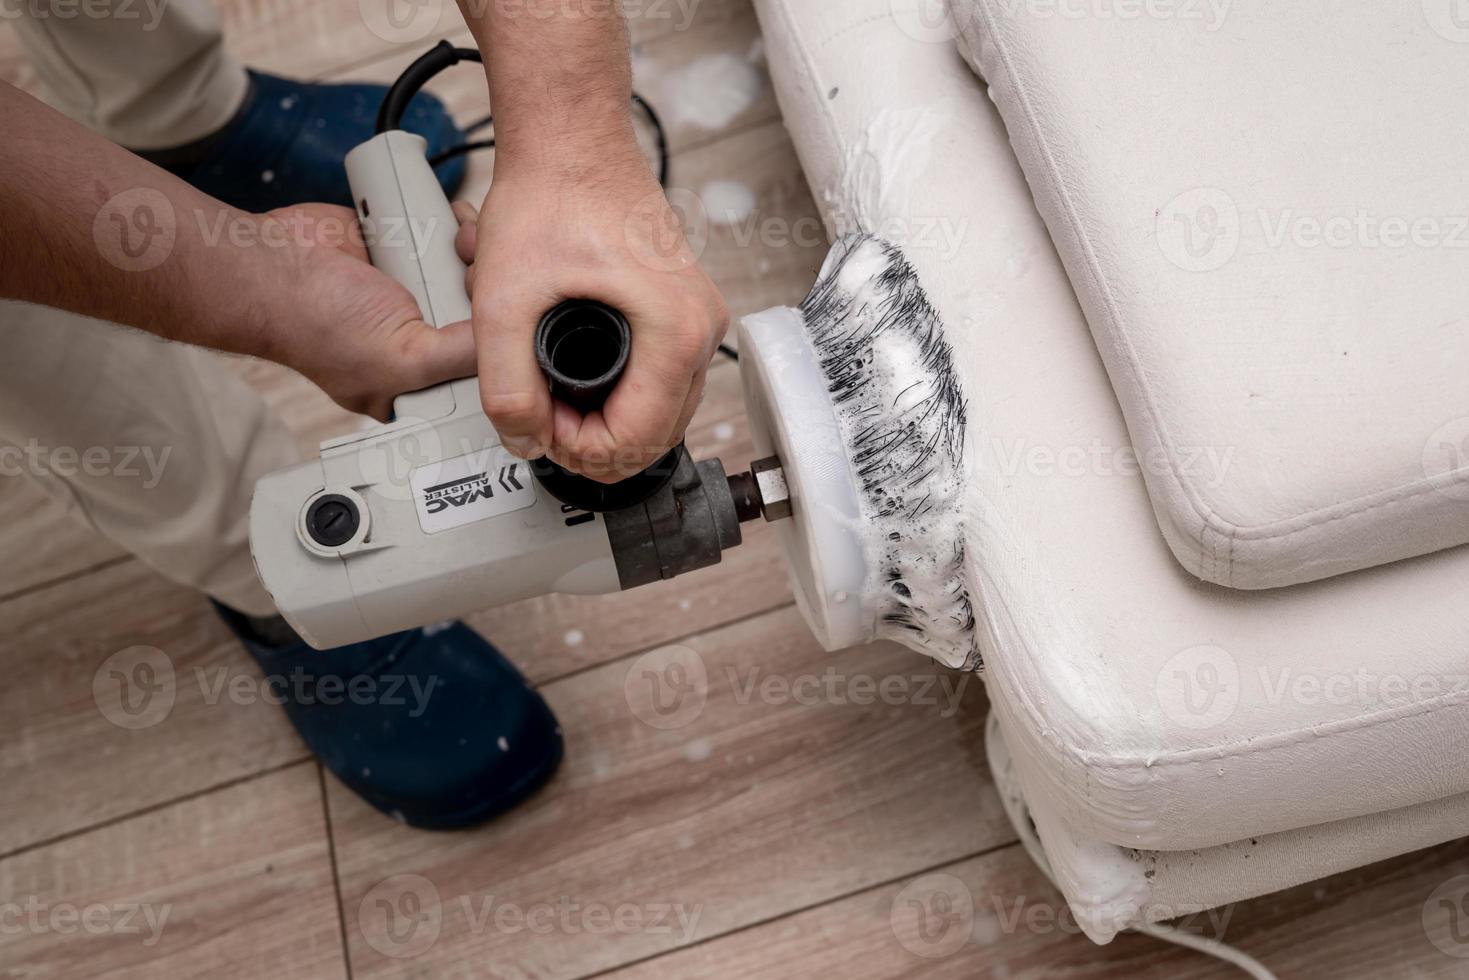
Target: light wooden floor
(759, 839)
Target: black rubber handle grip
(582, 347)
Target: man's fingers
(640, 421)
(466, 239)
(584, 445)
(464, 212)
(512, 388)
(377, 408)
(690, 405)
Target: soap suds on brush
(713, 90)
(901, 411)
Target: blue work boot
(432, 726)
(287, 142)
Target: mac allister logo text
(480, 486)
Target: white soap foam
(727, 202)
(881, 191)
(715, 89)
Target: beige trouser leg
(147, 74)
(158, 445)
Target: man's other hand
(346, 326)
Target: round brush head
(791, 416)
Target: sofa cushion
(1264, 208)
(1161, 712)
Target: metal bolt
(775, 494)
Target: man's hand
(293, 286)
(345, 325)
(610, 238)
(574, 213)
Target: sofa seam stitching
(847, 29)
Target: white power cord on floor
(1209, 947)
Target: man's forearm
(88, 227)
(575, 211)
(560, 86)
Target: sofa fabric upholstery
(1148, 710)
(1264, 210)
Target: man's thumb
(438, 355)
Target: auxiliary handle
(582, 347)
(409, 230)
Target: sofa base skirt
(1112, 889)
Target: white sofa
(1257, 673)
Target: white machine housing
(450, 521)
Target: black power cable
(444, 55)
(658, 132)
(441, 56)
(460, 150)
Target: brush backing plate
(791, 416)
